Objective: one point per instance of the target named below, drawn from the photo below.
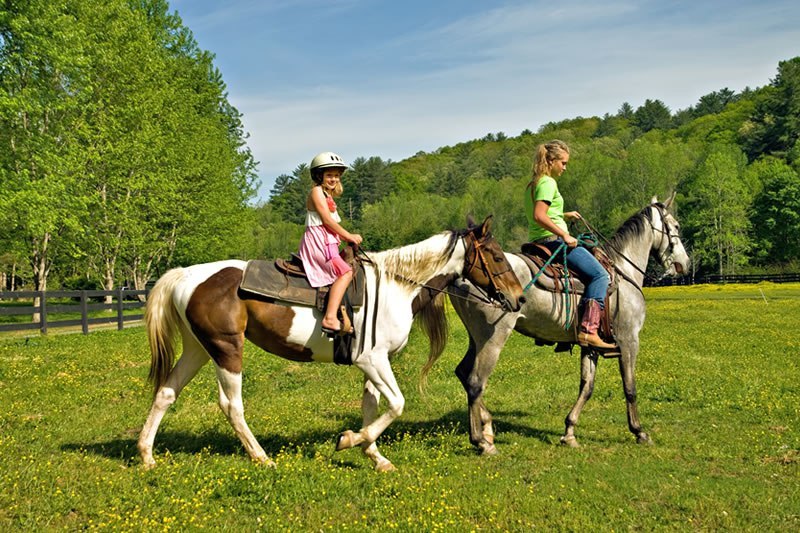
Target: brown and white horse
(204, 305)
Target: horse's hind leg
(192, 359)
(627, 369)
(588, 372)
(230, 401)
(369, 410)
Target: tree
(720, 196)
(625, 111)
(367, 181)
(41, 98)
(776, 211)
(714, 102)
(289, 194)
(653, 114)
(774, 127)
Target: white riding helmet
(327, 160)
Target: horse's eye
(498, 259)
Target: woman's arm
(540, 216)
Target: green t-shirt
(546, 190)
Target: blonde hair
(546, 155)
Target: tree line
(120, 153)
(122, 156)
(733, 158)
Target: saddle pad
(262, 277)
(547, 281)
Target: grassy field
(718, 393)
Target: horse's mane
(417, 263)
(632, 228)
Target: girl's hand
(355, 238)
(570, 241)
(572, 215)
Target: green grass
(718, 393)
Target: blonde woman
(547, 224)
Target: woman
(319, 248)
(547, 223)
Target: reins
(475, 297)
(619, 253)
(588, 240)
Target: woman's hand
(572, 215)
(355, 238)
(570, 241)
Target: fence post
(120, 321)
(43, 312)
(84, 314)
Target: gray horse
(654, 231)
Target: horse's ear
(669, 201)
(470, 221)
(487, 225)
(654, 200)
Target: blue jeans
(589, 270)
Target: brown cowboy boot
(591, 321)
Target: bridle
(664, 230)
(475, 251)
(475, 247)
(665, 233)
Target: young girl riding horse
(319, 248)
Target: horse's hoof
(488, 451)
(570, 441)
(385, 466)
(644, 438)
(265, 461)
(346, 440)
(148, 465)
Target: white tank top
(313, 218)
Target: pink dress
(319, 249)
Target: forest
(122, 157)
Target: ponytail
(544, 157)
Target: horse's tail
(433, 321)
(162, 321)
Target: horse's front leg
(369, 410)
(627, 369)
(378, 372)
(473, 371)
(588, 373)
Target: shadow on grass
(306, 443)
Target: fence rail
(82, 306)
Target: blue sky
(390, 78)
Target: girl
(319, 248)
(544, 207)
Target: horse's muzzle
(507, 305)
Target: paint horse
(652, 231)
(204, 305)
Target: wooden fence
(83, 304)
(727, 278)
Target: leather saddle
(552, 278)
(285, 280)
